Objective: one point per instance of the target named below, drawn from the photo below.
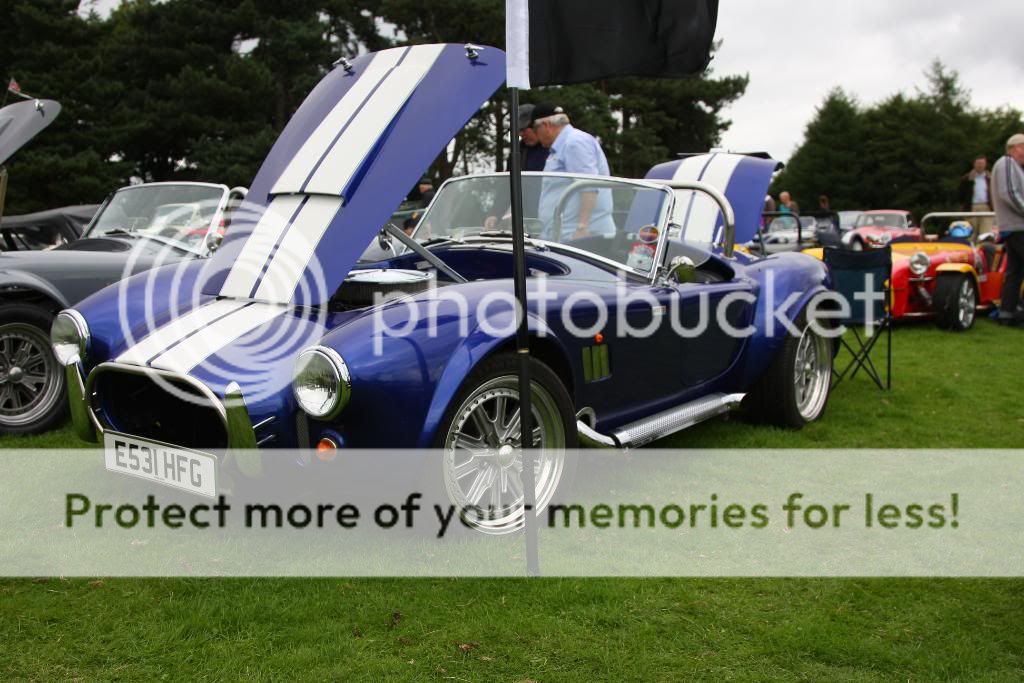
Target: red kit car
(948, 279)
(875, 229)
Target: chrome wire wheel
(812, 373)
(483, 461)
(31, 382)
(966, 303)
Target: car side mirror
(213, 240)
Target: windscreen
(615, 220)
(181, 214)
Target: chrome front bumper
(89, 424)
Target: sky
(795, 51)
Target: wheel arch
(477, 348)
(20, 287)
(958, 269)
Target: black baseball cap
(543, 111)
(525, 112)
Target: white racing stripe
(278, 252)
(318, 144)
(689, 169)
(346, 157)
(246, 270)
(290, 260)
(701, 224)
(176, 330)
(705, 212)
(212, 338)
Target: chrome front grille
(158, 406)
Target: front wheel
(795, 388)
(31, 380)
(955, 302)
(857, 245)
(482, 465)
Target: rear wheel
(481, 469)
(795, 389)
(857, 245)
(955, 301)
(31, 380)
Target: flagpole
(523, 340)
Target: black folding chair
(863, 279)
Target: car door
(669, 343)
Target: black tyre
(857, 244)
(32, 395)
(479, 438)
(955, 302)
(795, 388)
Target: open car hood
(744, 180)
(362, 138)
(22, 121)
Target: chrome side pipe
(660, 425)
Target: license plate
(173, 466)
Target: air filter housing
(367, 287)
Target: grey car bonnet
(22, 121)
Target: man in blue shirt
(570, 150)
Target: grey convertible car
(135, 229)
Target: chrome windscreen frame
(667, 186)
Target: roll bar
(728, 215)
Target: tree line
(165, 90)
(908, 151)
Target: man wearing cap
(1008, 200)
(571, 150)
(533, 154)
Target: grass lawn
(949, 391)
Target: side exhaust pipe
(657, 426)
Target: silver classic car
(136, 228)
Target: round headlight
(919, 263)
(69, 337)
(322, 383)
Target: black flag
(553, 42)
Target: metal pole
(3, 189)
(523, 340)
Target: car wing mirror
(213, 240)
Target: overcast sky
(797, 50)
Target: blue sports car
(644, 319)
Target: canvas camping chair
(863, 279)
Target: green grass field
(958, 391)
